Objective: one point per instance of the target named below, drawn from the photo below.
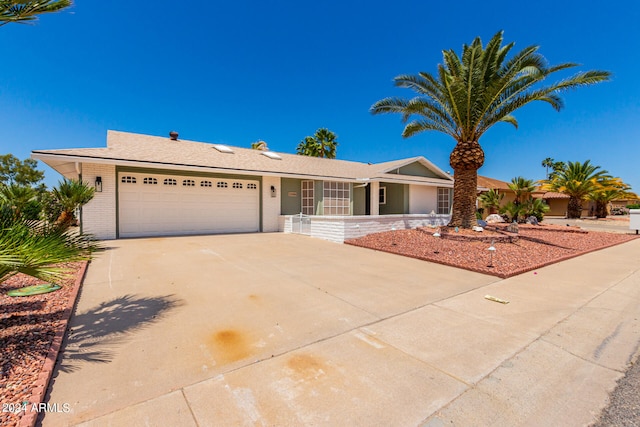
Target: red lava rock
(537, 246)
(27, 328)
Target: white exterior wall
(422, 199)
(99, 215)
(270, 205)
(375, 198)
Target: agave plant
(36, 249)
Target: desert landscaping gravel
(537, 246)
(27, 328)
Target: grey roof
(125, 148)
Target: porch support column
(375, 198)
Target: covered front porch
(341, 228)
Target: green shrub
(633, 206)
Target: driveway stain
(307, 367)
(230, 345)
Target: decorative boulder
(475, 228)
(532, 220)
(513, 228)
(494, 218)
(482, 223)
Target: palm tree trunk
(601, 209)
(574, 210)
(64, 220)
(465, 159)
(465, 186)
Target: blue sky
(236, 72)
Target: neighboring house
(154, 186)
(485, 184)
(558, 203)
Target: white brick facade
(99, 215)
(341, 228)
(270, 203)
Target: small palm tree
(535, 207)
(36, 249)
(17, 197)
(577, 180)
(322, 144)
(608, 191)
(470, 94)
(492, 200)
(28, 11)
(71, 194)
(522, 188)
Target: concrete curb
(42, 383)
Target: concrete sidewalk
(273, 329)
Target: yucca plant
(35, 249)
(471, 93)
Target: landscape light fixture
(98, 184)
(437, 236)
(491, 250)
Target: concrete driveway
(275, 329)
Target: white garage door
(157, 205)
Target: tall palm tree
(547, 163)
(578, 180)
(322, 144)
(472, 93)
(522, 188)
(71, 194)
(27, 11)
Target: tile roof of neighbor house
(126, 148)
(554, 195)
(486, 182)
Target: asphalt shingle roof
(125, 146)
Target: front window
(382, 198)
(307, 198)
(337, 198)
(444, 201)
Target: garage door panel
(148, 210)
